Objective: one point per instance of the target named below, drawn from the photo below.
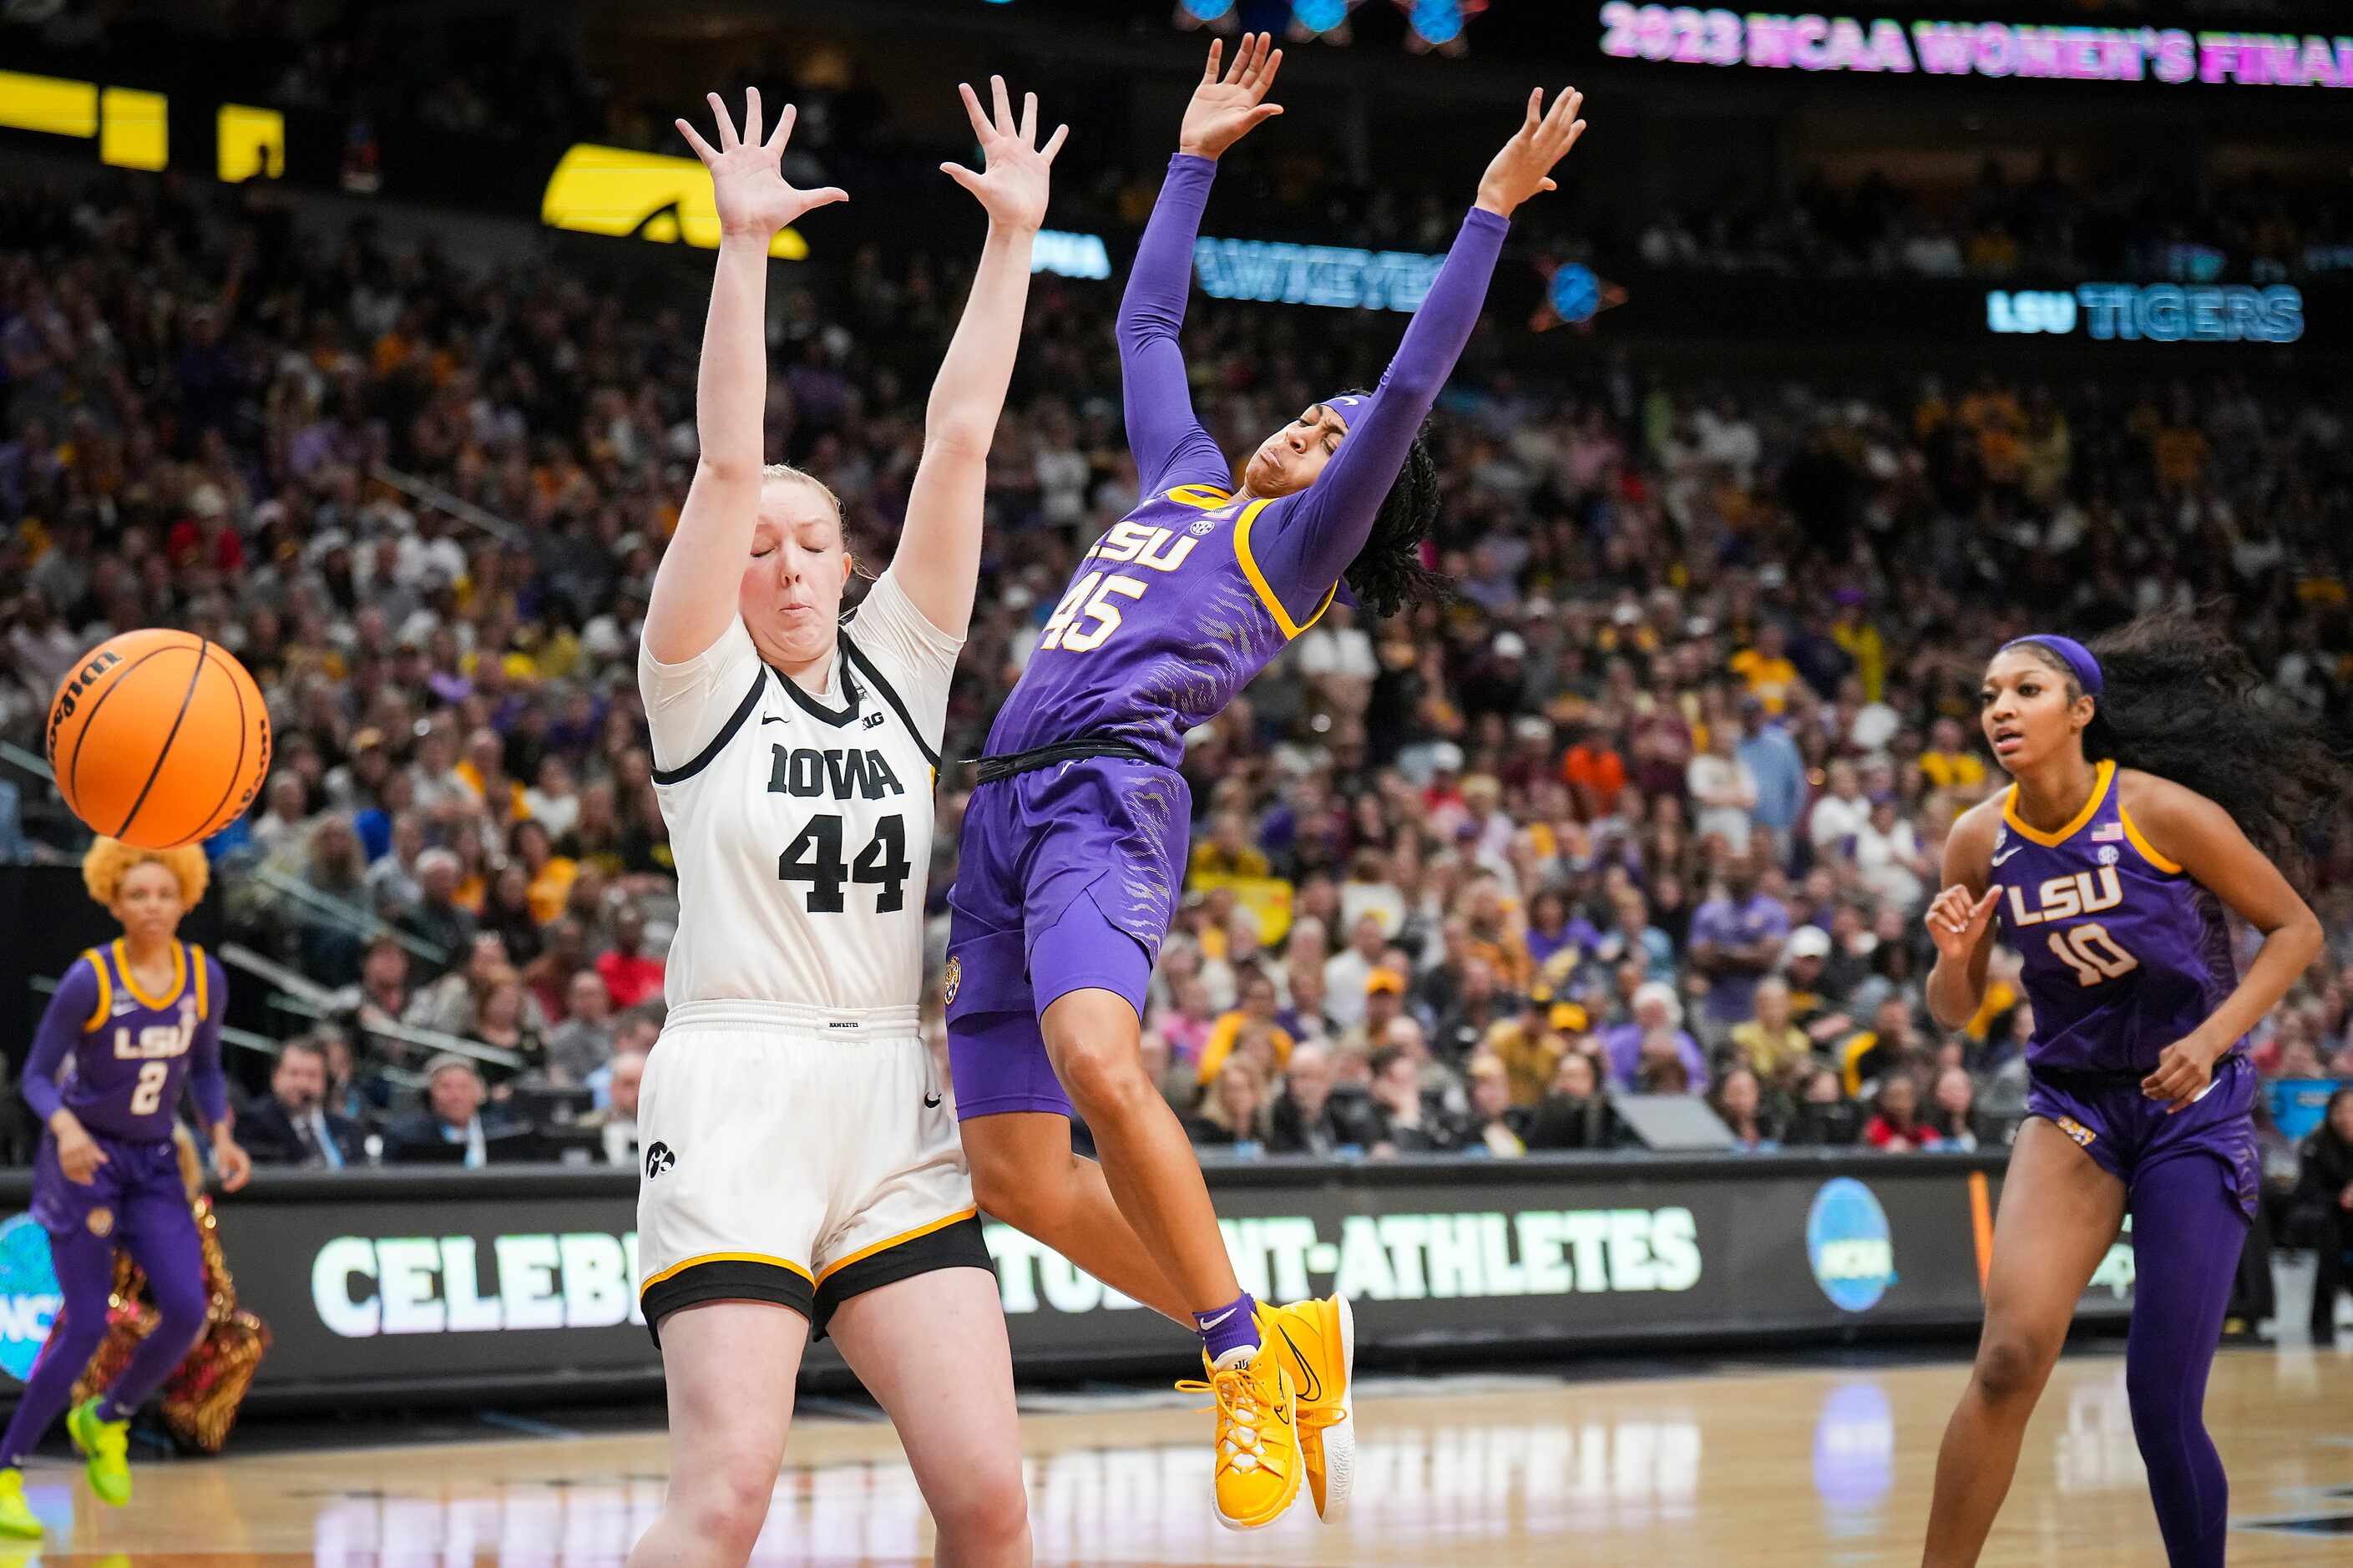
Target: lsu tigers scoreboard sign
(401, 1284)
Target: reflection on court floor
(1765, 1467)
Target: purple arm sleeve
(1304, 542)
(206, 1080)
(59, 1033)
(1169, 444)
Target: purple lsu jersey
(134, 1051)
(2124, 954)
(1165, 620)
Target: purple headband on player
(1347, 406)
(2078, 658)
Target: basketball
(159, 738)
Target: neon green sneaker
(106, 1444)
(16, 1514)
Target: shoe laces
(110, 1439)
(1241, 1445)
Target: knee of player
(2013, 1365)
(725, 1504)
(1106, 1078)
(1001, 1185)
(985, 1513)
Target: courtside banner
(385, 1285)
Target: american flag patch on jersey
(2107, 832)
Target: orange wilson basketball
(159, 738)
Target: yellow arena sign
(614, 191)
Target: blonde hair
(110, 860)
(801, 476)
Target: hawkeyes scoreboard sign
(399, 1283)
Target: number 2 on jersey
(147, 1094)
(815, 858)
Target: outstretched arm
(1306, 541)
(939, 551)
(1167, 440)
(694, 598)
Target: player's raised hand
(1013, 185)
(1524, 165)
(1956, 922)
(747, 179)
(1225, 109)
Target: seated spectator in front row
(1413, 1121)
(1739, 1100)
(1895, 1126)
(1953, 1114)
(1232, 1111)
(1573, 1113)
(1497, 1126)
(1316, 1115)
(292, 1127)
(453, 1113)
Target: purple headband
(1347, 407)
(2077, 657)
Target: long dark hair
(2184, 702)
(1388, 574)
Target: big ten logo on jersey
(2087, 947)
(844, 774)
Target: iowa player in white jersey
(801, 1172)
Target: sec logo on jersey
(951, 979)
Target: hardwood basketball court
(1743, 1463)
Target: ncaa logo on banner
(1848, 1242)
(29, 1297)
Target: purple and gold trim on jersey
(1162, 624)
(2123, 954)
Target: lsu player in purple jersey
(1074, 839)
(2157, 788)
(132, 1024)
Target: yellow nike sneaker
(17, 1517)
(1259, 1461)
(1317, 1342)
(107, 1444)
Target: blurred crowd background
(1650, 805)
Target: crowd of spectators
(1650, 805)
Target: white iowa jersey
(802, 825)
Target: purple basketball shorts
(2127, 1134)
(1067, 879)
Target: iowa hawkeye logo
(843, 774)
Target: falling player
(1074, 839)
(131, 1023)
(2152, 792)
(801, 1173)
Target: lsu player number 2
(815, 858)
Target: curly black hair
(1388, 574)
(2183, 701)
